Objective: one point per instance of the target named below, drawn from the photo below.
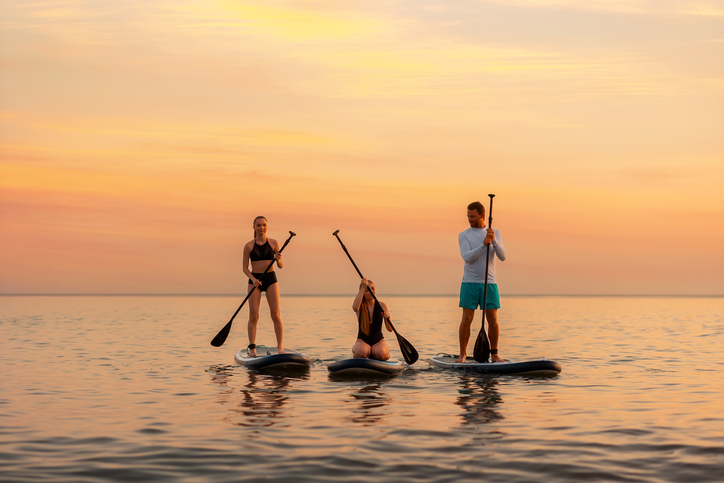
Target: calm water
(129, 389)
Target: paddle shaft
(487, 261)
(358, 271)
(482, 335)
(223, 333)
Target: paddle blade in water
(481, 352)
(220, 338)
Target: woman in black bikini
(370, 315)
(260, 251)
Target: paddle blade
(409, 353)
(481, 352)
(220, 338)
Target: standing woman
(370, 314)
(260, 251)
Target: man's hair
(477, 206)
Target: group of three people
(372, 315)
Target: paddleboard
(269, 358)
(540, 367)
(368, 367)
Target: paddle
(220, 338)
(481, 352)
(408, 351)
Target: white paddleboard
(540, 367)
(269, 358)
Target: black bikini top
(261, 252)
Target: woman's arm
(386, 316)
(245, 260)
(277, 255)
(360, 295)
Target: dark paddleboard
(268, 358)
(541, 367)
(365, 367)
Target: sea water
(97, 389)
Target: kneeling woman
(370, 315)
(262, 251)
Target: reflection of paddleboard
(541, 367)
(268, 358)
(361, 367)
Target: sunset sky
(139, 139)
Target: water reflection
(479, 398)
(263, 398)
(371, 401)
(221, 375)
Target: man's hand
(489, 237)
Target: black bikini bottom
(267, 280)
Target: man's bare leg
(464, 333)
(493, 333)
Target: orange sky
(139, 140)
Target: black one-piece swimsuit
(375, 334)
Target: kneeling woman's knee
(361, 349)
(381, 352)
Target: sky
(139, 139)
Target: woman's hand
(257, 283)
(363, 285)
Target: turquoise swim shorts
(471, 296)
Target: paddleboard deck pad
(362, 367)
(269, 358)
(541, 367)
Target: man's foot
(461, 358)
(252, 352)
(496, 358)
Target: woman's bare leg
(361, 349)
(381, 351)
(272, 296)
(254, 301)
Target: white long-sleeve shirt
(471, 249)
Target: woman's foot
(496, 358)
(461, 358)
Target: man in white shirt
(473, 245)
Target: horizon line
(339, 295)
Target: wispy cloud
(654, 7)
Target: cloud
(650, 7)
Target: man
(473, 245)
